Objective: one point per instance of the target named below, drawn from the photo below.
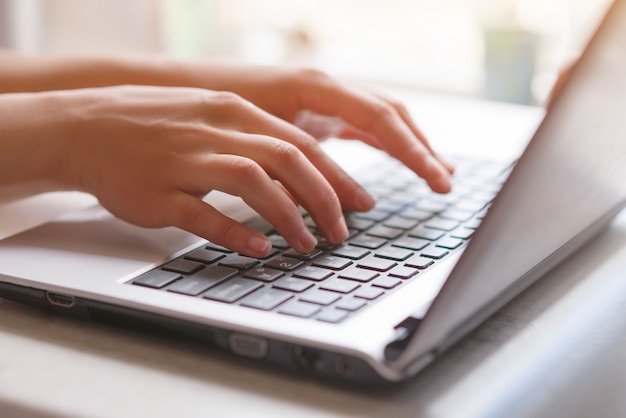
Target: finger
(196, 216)
(406, 117)
(372, 114)
(284, 162)
(351, 195)
(242, 177)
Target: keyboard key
(417, 214)
(449, 243)
(339, 285)
(426, 233)
(266, 299)
(232, 290)
(264, 274)
(462, 233)
(331, 262)
(435, 252)
(382, 231)
(400, 222)
(301, 309)
(369, 293)
(470, 205)
(378, 264)
(332, 315)
(350, 304)
(303, 256)
(473, 224)
(204, 255)
(313, 273)
(347, 251)
(430, 206)
(373, 215)
(193, 285)
(389, 206)
(360, 275)
(156, 279)
(239, 262)
(211, 246)
(198, 283)
(366, 241)
(359, 224)
(216, 273)
(403, 272)
(394, 253)
(410, 243)
(456, 214)
(441, 224)
(419, 262)
(320, 297)
(180, 265)
(386, 282)
(283, 263)
(293, 284)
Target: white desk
(558, 350)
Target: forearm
(31, 149)
(33, 73)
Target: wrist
(32, 155)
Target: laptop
(418, 272)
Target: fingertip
(339, 232)
(306, 241)
(258, 246)
(442, 185)
(447, 165)
(364, 200)
(441, 181)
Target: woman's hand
(150, 154)
(354, 113)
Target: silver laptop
(417, 273)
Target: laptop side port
(248, 345)
(308, 358)
(343, 368)
(58, 299)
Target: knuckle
(306, 143)
(329, 199)
(189, 215)
(382, 110)
(228, 233)
(246, 169)
(226, 99)
(310, 75)
(286, 153)
(397, 105)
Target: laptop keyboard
(410, 230)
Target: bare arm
(193, 127)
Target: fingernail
(340, 231)
(442, 181)
(307, 240)
(259, 245)
(364, 200)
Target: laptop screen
(567, 185)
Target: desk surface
(558, 350)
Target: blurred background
(507, 50)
